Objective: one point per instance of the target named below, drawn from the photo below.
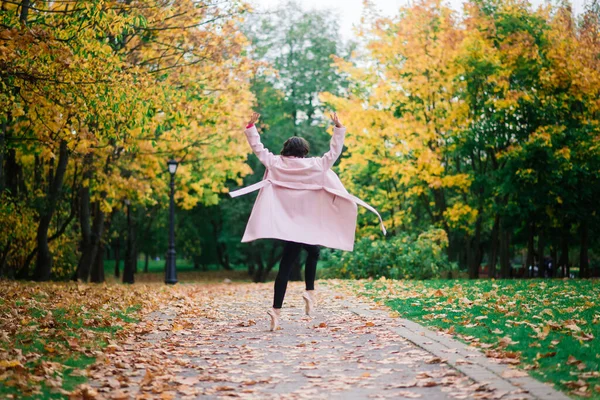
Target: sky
(349, 11)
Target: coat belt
(307, 186)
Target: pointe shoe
(309, 303)
(274, 320)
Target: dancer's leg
(291, 251)
(310, 270)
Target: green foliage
(405, 256)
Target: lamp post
(170, 271)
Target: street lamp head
(172, 166)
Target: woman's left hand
(254, 118)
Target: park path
(212, 341)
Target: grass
(50, 331)
(551, 326)
(187, 273)
(155, 266)
(158, 266)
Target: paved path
(212, 341)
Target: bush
(400, 257)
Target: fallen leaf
(572, 360)
(147, 379)
(545, 355)
(514, 373)
(401, 385)
(573, 327)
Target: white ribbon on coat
(307, 186)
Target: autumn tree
(472, 124)
(95, 97)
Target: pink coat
(301, 199)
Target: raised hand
(254, 118)
(335, 120)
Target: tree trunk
(117, 244)
(563, 262)
(494, 248)
(530, 261)
(147, 260)
(129, 251)
(3, 257)
(583, 253)
(475, 248)
(43, 265)
(38, 172)
(504, 251)
(470, 248)
(251, 268)
(97, 272)
(540, 252)
(24, 11)
(134, 251)
(3, 132)
(258, 275)
(9, 168)
(13, 174)
(85, 212)
(452, 251)
(221, 248)
(223, 256)
(554, 260)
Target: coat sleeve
(263, 154)
(335, 147)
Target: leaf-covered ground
(50, 332)
(212, 340)
(548, 327)
(60, 340)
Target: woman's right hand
(335, 120)
(254, 118)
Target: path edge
(480, 369)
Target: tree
(99, 94)
(472, 126)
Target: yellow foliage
(126, 86)
(461, 217)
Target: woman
(302, 202)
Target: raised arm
(336, 144)
(263, 154)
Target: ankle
(277, 311)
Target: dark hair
(295, 147)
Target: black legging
(291, 251)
